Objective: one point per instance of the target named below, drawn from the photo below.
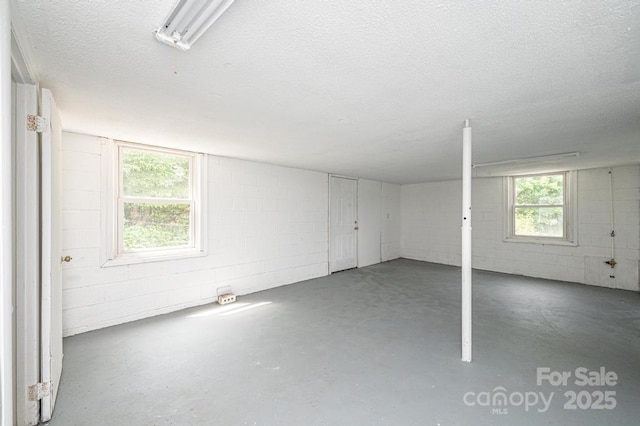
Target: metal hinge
(38, 391)
(35, 123)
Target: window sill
(541, 241)
(159, 256)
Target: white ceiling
(372, 89)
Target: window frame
(569, 215)
(115, 254)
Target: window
(540, 208)
(158, 207)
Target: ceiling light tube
(189, 20)
(530, 159)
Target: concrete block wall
(378, 222)
(431, 230)
(390, 222)
(267, 226)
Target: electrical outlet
(224, 299)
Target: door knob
(66, 259)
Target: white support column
(6, 233)
(466, 242)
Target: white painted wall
(369, 234)
(431, 230)
(267, 227)
(379, 222)
(390, 222)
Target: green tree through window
(156, 200)
(539, 206)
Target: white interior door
(369, 235)
(344, 225)
(51, 331)
(27, 256)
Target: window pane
(156, 225)
(154, 174)
(539, 221)
(539, 190)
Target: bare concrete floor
(374, 346)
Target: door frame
(7, 286)
(27, 227)
(331, 175)
(27, 257)
(51, 344)
(369, 222)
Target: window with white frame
(158, 206)
(541, 208)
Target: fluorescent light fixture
(542, 159)
(189, 20)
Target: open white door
(27, 256)
(344, 225)
(51, 331)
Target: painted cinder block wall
(431, 230)
(390, 222)
(378, 222)
(267, 227)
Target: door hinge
(38, 391)
(35, 123)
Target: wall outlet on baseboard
(224, 299)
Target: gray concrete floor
(374, 346)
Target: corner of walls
(430, 225)
(390, 222)
(378, 222)
(594, 226)
(431, 230)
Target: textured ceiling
(372, 89)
